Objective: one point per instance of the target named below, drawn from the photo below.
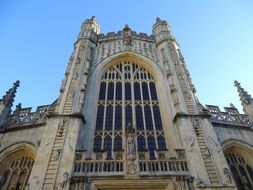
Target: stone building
(127, 117)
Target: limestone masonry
(127, 117)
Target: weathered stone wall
(226, 133)
(30, 135)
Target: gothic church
(127, 118)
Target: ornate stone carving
(173, 89)
(56, 154)
(206, 152)
(176, 102)
(228, 175)
(199, 182)
(180, 154)
(127, 38)
(131, 167)
(18, 108)
(228, 117)
(64, 184)
(38, 143)
(130, 150)
(63, 84)
(48, 141)
(191, 142)
(168, 73)
(195, 123)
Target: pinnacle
(244, 96)
(8, 98)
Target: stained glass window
(110, 91)
(127, 94)
(118, 118)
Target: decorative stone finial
(158, 19)
(127, 36)
(244, 96)
(126, 28)
(232, 105)
(18, 107)
(8, 99)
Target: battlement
(24, 117)
(231, 116)
(119, 35)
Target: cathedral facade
(127, 117)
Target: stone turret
(7, 101)
(246, 100)
(161, 31)
(89, 26)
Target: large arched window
(128, 94)
(241, 170)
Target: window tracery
(128, 94)
(15, 175)
(241, 170)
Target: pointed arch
(16, 163)
(239, 156)
(99, 72)
(130, 98)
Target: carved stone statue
(206, 152)
(64, 183)
(228, 175)
(199, 182)
(195, 123)
(127, 39)
(131, 167)
(191, 142)
(130, 149)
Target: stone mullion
(143, 114)
(123, 115)
(26, 177)
(133, 98)
(105, 110)
(248, 175)
(113, 114)
(152, 115)
(8, 180)
(16, 177)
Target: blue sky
(37, 37)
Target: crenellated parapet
(119, 35)
(22, 117)
(230, 116)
